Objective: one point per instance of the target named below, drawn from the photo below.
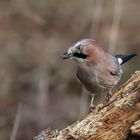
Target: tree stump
(114, 121)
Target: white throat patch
(80, 60)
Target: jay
(98, 71)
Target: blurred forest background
(37, 88)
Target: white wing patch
(120, 60)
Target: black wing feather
(125, 58)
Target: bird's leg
(108, 101)
(109, 95)
(92, 106)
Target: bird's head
(82, 50)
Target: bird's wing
(116, 72)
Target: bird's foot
(109, 97)
(92, 108)
(97, 108)
(108, 100)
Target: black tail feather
(125, 58)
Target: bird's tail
(124, 58)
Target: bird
(98, 71)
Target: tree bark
(136, 128)
(114, 121)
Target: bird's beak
(67, 55)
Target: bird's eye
(79, 47)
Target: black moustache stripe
(80, 55)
